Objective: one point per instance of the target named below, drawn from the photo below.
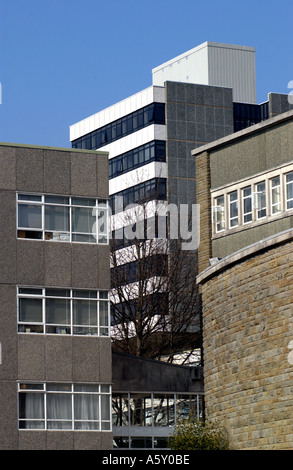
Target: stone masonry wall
(247, 328)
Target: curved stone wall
(248, 344)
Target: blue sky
(63, 60)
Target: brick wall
(247, 327)
(203, 184)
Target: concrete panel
(230, 243)
(83, 174)
(58, 358)
(30, 263)
(87, 441)
(58, 264)
(60, 440)
(29, 169)
(8, 309)
(8, 328)
(8, 413)
(102, 176)
(31, 357)
(8, 168)
(105, 370)
(32, 440)
(84, 266)
(103, 257)
(57, 166)
(7, 237)
(86, 359)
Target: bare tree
(155, 301)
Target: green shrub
(196, 434)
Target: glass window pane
(30, 310)
(59, 406)
(84, 312)
(56, 200)
(29, 197)
(31, 406)
(29, 216)
(82, 201)
(57, 218)
(58, 311)
(58, 292)
(91, 294)
(105, 407)
(83, 220)
(164, 410)
(104, 313)
(86, 407)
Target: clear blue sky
(63, 60)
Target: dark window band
(151, 114)
(135, 158)
(139, 194)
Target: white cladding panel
(116, 111)
(191, 67)
(215, 64)
(233, 67)
(137, 176)
(141, 137)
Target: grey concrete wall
(195, 115)
(157, 376)
(39, 263)
(231, 242)
(250, 155)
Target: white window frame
(274, 205)
(69, 328)
(257, 197)
(219, 214)
(260, 197)
(230, 203)
(243, 199)
(286, 184)
(71, 390)
(99, 233)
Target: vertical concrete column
(203, 184)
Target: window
(275, 195)
(61, 218)
(219, 214)
(83, 407)
(247, 204)
(152, 151)
(154, 189)
(289, 190)
(253, 201)
(233, 209)
(154, 113)
(261, 209)
(63, 311)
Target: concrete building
(246, 268)
(200, 96)
(55, 367)
(147, 406)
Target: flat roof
(244, 133)
(61, 149)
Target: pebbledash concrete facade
(246, 263)
(51, 354)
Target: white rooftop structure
(215, 64)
